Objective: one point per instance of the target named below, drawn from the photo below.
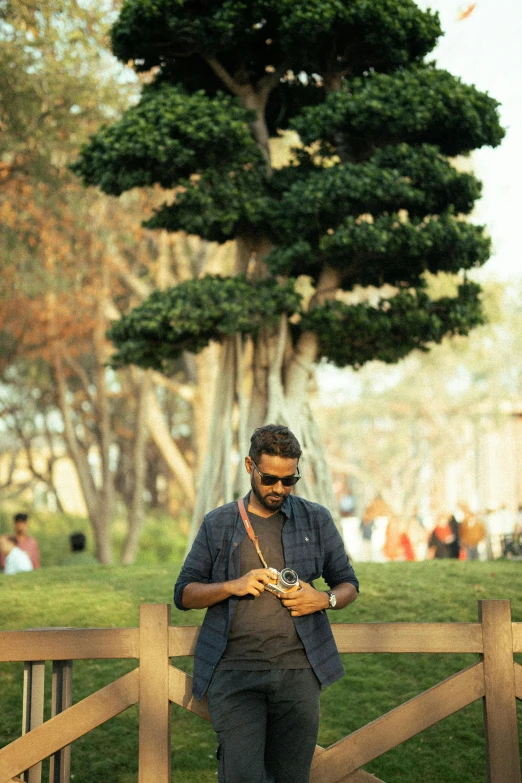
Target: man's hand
(200, 595)
(252, 583)
(306, 600)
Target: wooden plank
(360, 776)
(517, 637)
(154, 738)
(70, 644)
(182, 639)
(408, 637)
(61, 700)
(180, 692)
(518, 681)
(33, 708)
(500, 712)
(373, 637)
(60, 731)
(367, 743)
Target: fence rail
(155, 684)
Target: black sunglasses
(269, 481)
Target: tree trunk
(167, 447)
(136, 510)
(210, 488)
(105, 437)
(275, 389)
(98, 510)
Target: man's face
(20, 527)
(271, 497)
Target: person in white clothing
(16, 560)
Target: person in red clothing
(24, 541)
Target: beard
(270, 505)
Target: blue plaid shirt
(312, 546)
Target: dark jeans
(266, 723)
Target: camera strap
(249, 529)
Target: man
(78, 554)
(260, 658)
(16, 560)
(24, 541)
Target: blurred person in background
(374, 530)
(15, 559)
(24, 541)
(398, 544)
(471, 531)
(78, 554)
(444, 539)
(417, 534)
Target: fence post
(33, 708)
(61, 699)
(500, 712)
(154, 710)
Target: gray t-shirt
(263, 634)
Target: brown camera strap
(249, 529)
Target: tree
(58, 249)
(368, 202)
(55, 340)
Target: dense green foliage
(394, 328)
(193, 312)
(370, 191)
(418, 105)
(96, 596)
(313, 37)
(165, 137)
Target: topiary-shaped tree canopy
(370, 195)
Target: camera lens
(289, 577)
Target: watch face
(333, 600)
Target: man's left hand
(306, 600)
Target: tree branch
(183, 390)
(78, 456)
(135, 283)
(80, 373)
(227, 79)
(269, 82)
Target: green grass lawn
(437, 591)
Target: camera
(285, 581)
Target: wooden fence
(155, 684)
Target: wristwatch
(332, 603)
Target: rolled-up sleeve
(197, 566)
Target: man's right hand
(200, 595)
(252, 583)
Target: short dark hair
(20, 517)
(275, 440)
(77, 542)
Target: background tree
(70, 259)
(367, 204)
(57, 350)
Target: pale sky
(485, 50)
